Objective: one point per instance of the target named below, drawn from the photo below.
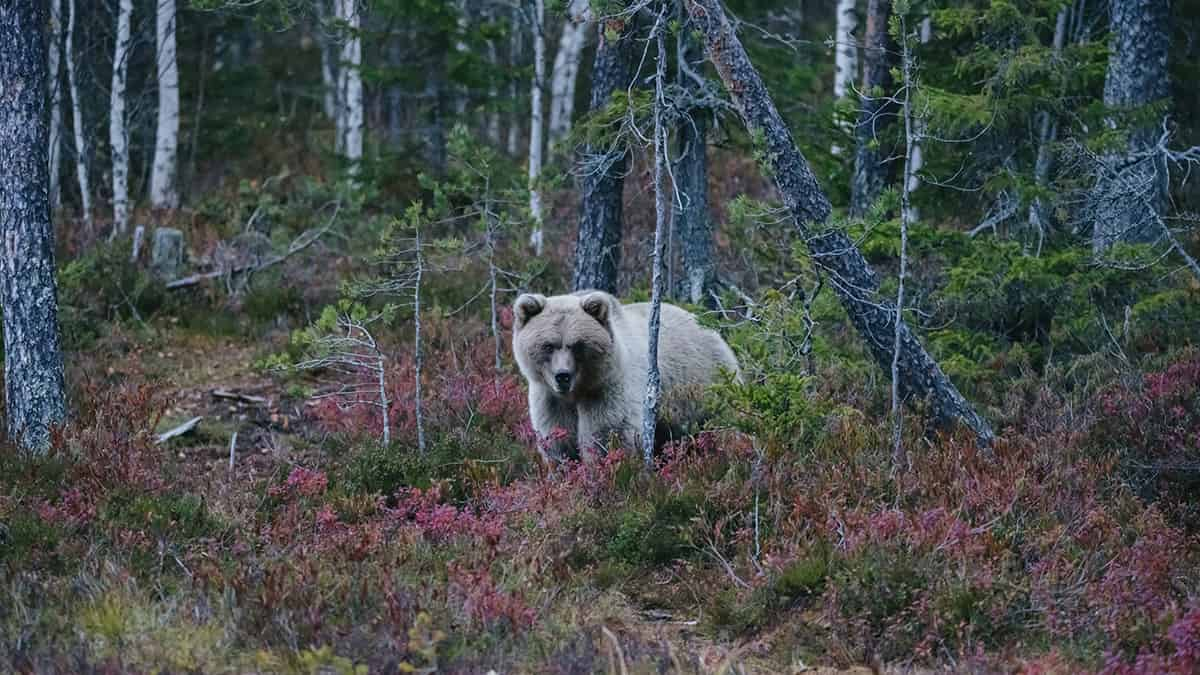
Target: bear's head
(565, 342)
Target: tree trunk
(329, 80)
(845, 50)
(566, 69)
(54, 59)
(915, 136)
(870, 169)
(118, 136)
(832, 250)
(514, 62)
(650, 403)
(598, 248)
(350, 67)
(1137, 76)
(1047, 131)
(537, 124)
(81, 155)
(33, 366)
(164, 190)
(692, 222)
(395, 94)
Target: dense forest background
(292, 437)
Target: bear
(584, 357)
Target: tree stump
(166, 257)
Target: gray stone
(166, 257)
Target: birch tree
(915, 135)
(537, 123)
(81, 154)
(566, 68)
(118, 136)
(53, 72)
(1136, 78)
(1047, 132)
(845, 50)
(870, 169)
(350, 83)
(650, 403)
(33, 367)
(832, 251)
(329, 80)
(598, 247)
(164, 190)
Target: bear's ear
(597, 305)
(526, 307)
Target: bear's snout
(562, 380)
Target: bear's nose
(563, 380)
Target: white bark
(328, 79)
(350, 76)
(650, 404)
(514, 59)
(164, 191)
(845, 51)
(54, 60)
(117, 133)
(916, 159)
(566, 68)
(536, 123)
(81, 167)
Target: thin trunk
(435, 128)
(395, 95)
(54, 60)
(493, 111)
(537, 124)
(118, 135)
(899, 456)
(81, 154)
(832, 250)
(870, 170)
(845, 51)
(1047, 131)
(383, 397)
(514, 91)
(916, 154)
(692, 221)
(351, 64)
(33, 365)
(418, 355)
(329, 80)
(598, 247)
(1137, 76)
(650, 403)
(566, 68)
(164, 189)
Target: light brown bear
(584, 357)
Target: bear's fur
(584, 357)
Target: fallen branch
(235, 396)
(299, 244)
(180, 430)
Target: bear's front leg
(603, 428)
(556, 424)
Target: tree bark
(33, 366)
(1137, 76)
(870, 171)
(692, 222)
(329, 80)
(566, 68)
(845, 50)
(598, 248)
(537, 123)
(515, 50)
(164, 189)
(54, 60)
(1047, 131)
(650, 403)
(81, 155)
(350, 71)
(832, 250)
(118, 136)
(915, 135)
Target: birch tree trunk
(164, 190)
(915, 136)
(870, 171)
(118, 136)
(692, 222)
(54, 60)
(350, 67)
(537, 124)
(515, 47)
(845, 51)
(566, 68)
(832, 250)
(1136, 77)
(33, 366)
(650, 403)
(81, 154)
(329, 81)
(598, 247)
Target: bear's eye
(546, 348)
